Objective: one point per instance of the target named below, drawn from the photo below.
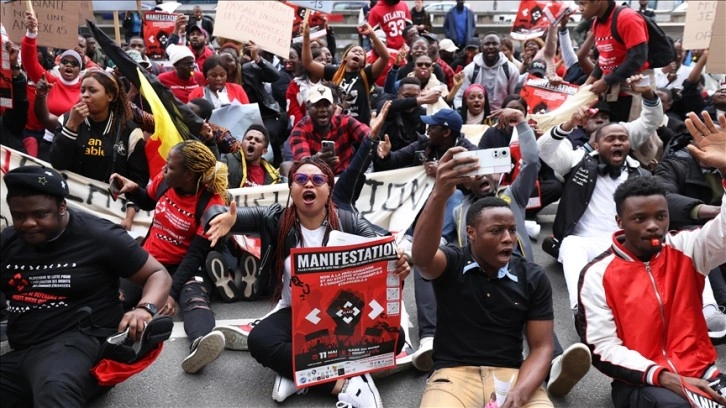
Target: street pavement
(237, 380)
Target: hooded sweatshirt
(494, 79)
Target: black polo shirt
(480, 320)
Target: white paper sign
(319, 5)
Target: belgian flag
(174, 122)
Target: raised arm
(315, 68)
(427, 256)
(380, 64)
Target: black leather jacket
(265, 222)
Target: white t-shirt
(310, 238)
(661, 78)
(599, 217)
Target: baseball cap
(431, 37)
(136, 56)
(604, 107)
(445, 117)
(447, 45)
(473, 43)
(316, 93)
(538, 68)
(200, 29)
(39, 179)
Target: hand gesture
(555, 79)
(126, 185)
(222, 224)
(206, 131)
(135, 320)
(384, 147)
(329, 157)
(401, 56)
(709, 143)
(31, 23)
(508, 117)
(180, 24)
(365, 30)
(458, 79)
(579, 118)
(452, 171)
(634, 81)
(379, 120)
(254, 51)
(13, 52)
(78, 114)
(431, 167)
(169, 308)
(42, 87)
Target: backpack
(474, 74)
(661, 51)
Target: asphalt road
(237, 380)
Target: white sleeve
(556, 150)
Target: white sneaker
(716, 323)
(234, 337)
(284, 388)
(204, 350)
(568, 369)
(422, 358)
(532, 229)
(359, 392)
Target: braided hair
(289, 219)
(118, 105)
(200, 160)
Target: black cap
(473, 42)
(538, 68)
(604, 107)
(431, 37)
(42, 180)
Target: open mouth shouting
(309, 197)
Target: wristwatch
(149, 307)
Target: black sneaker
(551, 246)
(218, 270)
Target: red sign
(346, 310)
(542, 97)
(158, 26)
(534, 18)
(316, 20)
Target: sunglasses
(424, 64)
(302, 179)
(71, 62)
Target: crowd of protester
(640, 228)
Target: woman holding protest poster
(354, 78)
(306, 222)
(65, 82)
(218, 91)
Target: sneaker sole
(424, 361)
(233, 340)
(209, 348)
(247, 269)
(222, 280)
(578, 361)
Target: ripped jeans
(193, 302)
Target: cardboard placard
(315, 21)
(57, 22)
(267, 23)
(158, 26)
(85, 11)
(716, 63)
(699, 23)
(318, 5)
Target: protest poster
(267, 23)
(716, 63)
(237, 117)
(85, 12)
(543, 97)
(698, 398)
(57, 22)
(6, 74)
(316, 21)
(535, 16)
(583, 97)
(346, 310)
(699, 22)
(157, 28)
(317, 5)
(389, 199)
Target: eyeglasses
(424, 64)
(72, 62)
(302, 179)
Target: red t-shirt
(371, 57)
(632, 30)
(255, 176)
(181, 89)
(174, 223)
(392, 20)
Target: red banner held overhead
(535, 16)
(6, 73)
(542, 97)
(346, 310)
(158, 26)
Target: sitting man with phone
(332, 137)
(60, 270)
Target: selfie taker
(650, 358)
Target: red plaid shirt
(344, 130)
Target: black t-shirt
(47, 284)
(353, 93)
(481, 320)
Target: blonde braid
(200, 160)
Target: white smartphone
(491, 161)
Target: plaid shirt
(344, 130)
